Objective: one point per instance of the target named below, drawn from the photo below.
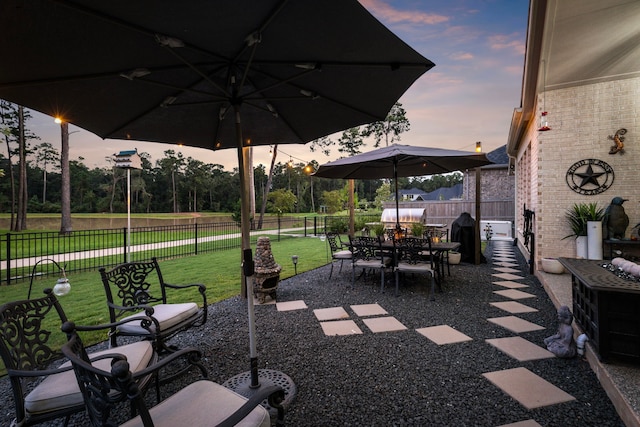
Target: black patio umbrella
(401, 161)
(206, 73)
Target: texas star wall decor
(590, 177)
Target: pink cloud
(503, 41)
(386, 13)
(461, 56)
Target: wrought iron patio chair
(440, 235)
(29, 333)
(414, 255)
(201, 403)
(137, 289)
(367, 253)
(339, 250)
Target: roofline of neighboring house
(523, 115)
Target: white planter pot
(454, 257)
(582, 247)
(552, 265)
(594, 239)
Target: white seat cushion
(202, 403)
(342, 255)
(414, 268)
(167, 315)
(61, 390)
(368, 264)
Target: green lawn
(219, 271)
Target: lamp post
(294, 258)
(309, 171)
(128, 160)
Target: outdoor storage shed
(407, 216)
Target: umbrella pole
(248, 383)
(478, 257)
(247, 259)
(395, 181)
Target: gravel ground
(393, 378)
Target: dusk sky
(478, 48)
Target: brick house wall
(581, 119)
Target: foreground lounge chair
(201, 403)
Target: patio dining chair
(415, 256)
(442, 235)
(339, 250)
(201, 403)
(367, 253)
(137, 289)
(43, 389)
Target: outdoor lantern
(294, 258)
(544, 122)
(62, 286)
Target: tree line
(31, 178)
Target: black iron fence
(88, 250)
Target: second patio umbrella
(401, 161)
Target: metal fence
(87, 250)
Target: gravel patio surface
(397, 378)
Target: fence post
(279, 228)
(8, 258)
(196, 237)
(124, 240)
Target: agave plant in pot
(579, 216)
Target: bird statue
(615, 220)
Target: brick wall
(495, 184)
(581, 119)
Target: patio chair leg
(341, 262)
(331, 272)
(353, 277)
(433, 288)
(397, 284)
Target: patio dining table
(441, 250)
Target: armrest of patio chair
(37, 373)
(146, 321)
(202, 289)
(190, 355)
(148, 309)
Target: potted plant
(578, 217)
(417, 229)
(379, 229)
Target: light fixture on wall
(544, 120)
(479, 147)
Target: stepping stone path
(527, 388)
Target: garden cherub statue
(562, 343)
